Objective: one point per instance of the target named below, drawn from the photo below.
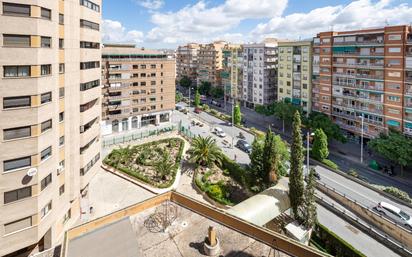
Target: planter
(212, 250)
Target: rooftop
(172, 224)
(128, 49)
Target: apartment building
(139, 88)
(295, 73)
(187, 62)
(210, 61)
(259, 73)
(231, 74)
(49, 115)
(364, 74)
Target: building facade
(139, 88)
(210, 63)
(49, 116)
(187, 62)
(295, 73)
(364, 75)
(259, 74)
(231, 74)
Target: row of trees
(205, 88)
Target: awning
(408, 125)
(393, 123)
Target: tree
(217, 92)
(163, 166)
(197, 99)
(309, 207)
(395, 147)
(178, 97)
(185, 82)
(256, 157)
(319, 120)
(285, 111)
(237, 115)
(205, 88)
(296, 186)
(320, 145)
(205, 152)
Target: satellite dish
(31, 172)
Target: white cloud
(355, 15)
(201, 23)
(151, 4)
(114, 32)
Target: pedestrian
(235, 157)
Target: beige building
(295, 70)
(49, 116)
(210, 63)
(187, 62)
(231, 74)
(139, 88)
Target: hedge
(330, 164)
(398, 193)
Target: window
(61, 92)
(46, 153)
(89, 24)
(17, 163)
(61, 19)
(396, 74)
(394, 49)
(89, 85)
(46, 125)
(17, 225)
(153, 66)
(61, 43)
(394, 111)
(87, 106)
(45, 210)
(394, 98)
(61, 189)
(16, 71)
(46, 98)
(89, 65)
(61, 141)
(67, 216)
(89, 165)
(45, 42)
(61, 117)
(61, 68)
(60, 168)
(14, 133)
(395, 62)
(46, 13)
(143, 66)
(394, 86)
(45, 69)
(394, 37)
(90, 5)
(16, 40)
(16, 9)
(46, 181)
(17, 194)
(15, 102)
(86, 44)
(153, 83)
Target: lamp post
(361, 154)
(307, 145)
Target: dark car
(244, 146)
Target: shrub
(330, 164)
(398, 193)
(212, 111)
(206, 107)
(353, 173)
(236, 171)
(215, 191)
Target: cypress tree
(320, 145)
(309, 208)
(296, 186)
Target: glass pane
(17, 133)
(17, 163)
(16, 102)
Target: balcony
(357, 86)
(376, 111)
(360, 65)
(359, 76)
(362, 43)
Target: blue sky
(168, 23)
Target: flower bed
(155, 163)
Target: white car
(219, 132)
(395, 214)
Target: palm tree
(164, 166)
(204, 151)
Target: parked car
(198, 110)
(244, 146)
(395, 214)
(219, 132)
(184, 110)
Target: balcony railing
(360, 65)
(359, 76)
(357, 118)
(358, 107)
(369, 42)
(357, 86)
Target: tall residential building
(295, 73)
(187, 62)
(49, 116)
(210, 61)
(139, 87)
(364, 73)
(231, 74)
(259, 74)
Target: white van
(219, 132)
(395, 214)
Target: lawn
(155, 163)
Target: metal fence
(138, 135)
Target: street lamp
(361, 154)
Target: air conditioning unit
(60, 168)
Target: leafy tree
(285, 111)
(237, 115)
(320, 145)
(309, 207)
(319, 120)
(178, 97)
(256, 157)
(185, 82)
(205, 152)
(296, 186)
(205, 88)
(395, 147)
(217, 92)
(163, 166)
(197, 99)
